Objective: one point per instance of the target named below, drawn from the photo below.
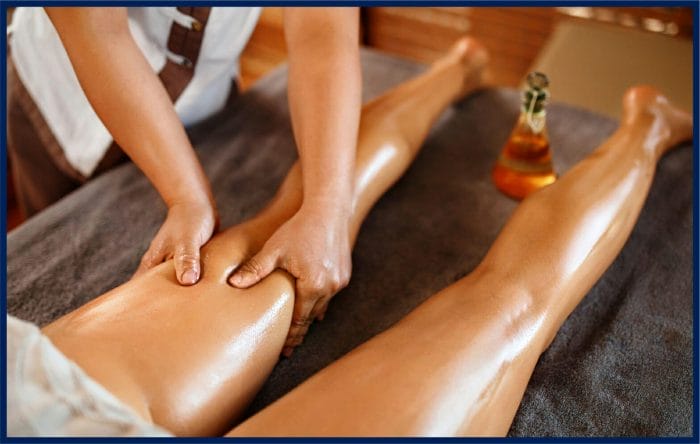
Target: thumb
(187, 266)
(254, 269)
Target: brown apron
(40, 170)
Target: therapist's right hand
(187, 227)
(131, 101)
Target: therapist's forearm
(130, 100)
(325, 100)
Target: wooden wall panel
(514, 36)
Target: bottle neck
(532, 111)
(532, 122)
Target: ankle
(649, 114)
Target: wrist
(199, 204)
(331, 208)
(337, 194)
(190, 195)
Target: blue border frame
(548, 3)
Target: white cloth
(45, 70)
(49, 395)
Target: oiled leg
(191, 358)
(459, 363)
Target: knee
(508, 290)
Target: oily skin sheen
(459, 363)
(191, 358)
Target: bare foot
(672, 124)
(472, 58)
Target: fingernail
(241, 279)
(189, 277)
(287, 352)
(235, 280)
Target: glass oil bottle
(525, 162)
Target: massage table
(621, 365)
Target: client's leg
(459, 363)
(191, 358)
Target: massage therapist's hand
(132, 102)
(324, 90)
(188, 226)
(314, 247)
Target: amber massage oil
(525, 162)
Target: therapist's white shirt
(45, 70)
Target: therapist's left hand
(314, 247)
